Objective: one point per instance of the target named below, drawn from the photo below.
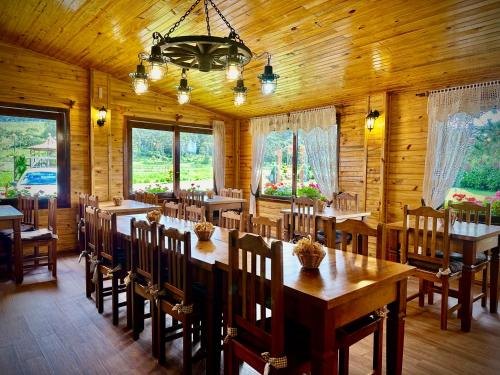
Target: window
(285, 169)
(152, 148)
(196, 161)
(34, 153)
(479, 178)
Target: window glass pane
(306, 183)
(28, 156)
(152, 160)
(479, 178)
(277, 164)
(196, 168)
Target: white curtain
(219, 156)
(320, 129)
(450, 134)
(321, 150)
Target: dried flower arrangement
(310, 253)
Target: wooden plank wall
(32, 78)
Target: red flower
(471, 199)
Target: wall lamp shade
(101, 116)
(370, 119)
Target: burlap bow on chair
(276, 362)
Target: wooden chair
(198, 198)
(348, 335)
(139, 196)
(346, 201)
(265, 227)
(256, 331)
(433, 265)
(42, 237)
(194, 213)
(174, 278)
(150, 198)
(90, 222)
(470, 212)
(172, 209)
(225, 192)
(110, 264)
(237, 193)
(142, 275)
(232, 220)
(302, 218)
(29, 206)
(93, 201)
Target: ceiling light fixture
(140, 82)
(204, 53)
(240, 93)
(183, 90)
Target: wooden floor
(49, 327)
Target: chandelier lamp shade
(204, 53)
(240, 93)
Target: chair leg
(88, 278)
(187, 347)
(114, 298)
(36, 252)
(444, 303)
(430, 297)
(484, 287)
(378, 345)
(344, 361)
(160, 334)
(137, 314)
(421, 292)
(53, 248)
(99, 292)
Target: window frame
(295, 143)
(62, 118)
(162, 125)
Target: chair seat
(121, 258)
(42, 234)
(24, 228)
(321, 238)
(455, 267)
(359, 324)
(458, 257)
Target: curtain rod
(301, 111)
(481, 84)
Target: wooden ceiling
(325, 51)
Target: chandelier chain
(176, 25)
(207, 17)
(233, 31)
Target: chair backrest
(303, 217)
(52, 215)
(226, 192)
(250, 295)
(150, 198)
(143, 238)
(232, 220)
(107, 236)
(83, 200)
(422, 226)
(197, 198)
(90, 219)
(93, 201)
(183, 196)
(265, 227)
(360, 233)
(346, 201)
(194, 213)
(139, 196)
(470, 212)
(175, 272)
(237, 193)
(172, 209)
(28, 205)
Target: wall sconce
(101, 116)
(370, 119)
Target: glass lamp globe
(157, 71)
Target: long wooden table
(128, 207)
(321, 218)
(469, 239)
(219, 203)
(9, 213)
(346, 287)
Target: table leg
(213, 327)
(495, 259)
(396, 331)
(469, 254)
(210, 214)
(286, 227)
(324, 359)
(18, 252)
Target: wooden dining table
(346, 287)
(220, 203)
(469, 239)
(128, 207)
(14, 216)
(321, 218)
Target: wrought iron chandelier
(205, 53)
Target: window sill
(270, 198)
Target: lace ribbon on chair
(442, 272)
(128, 279)
(94, 265)
(154, 293)
(84, 253)
(183, 309)
(111, 272)
(231, 332)
(276, 362)
(382, 313)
